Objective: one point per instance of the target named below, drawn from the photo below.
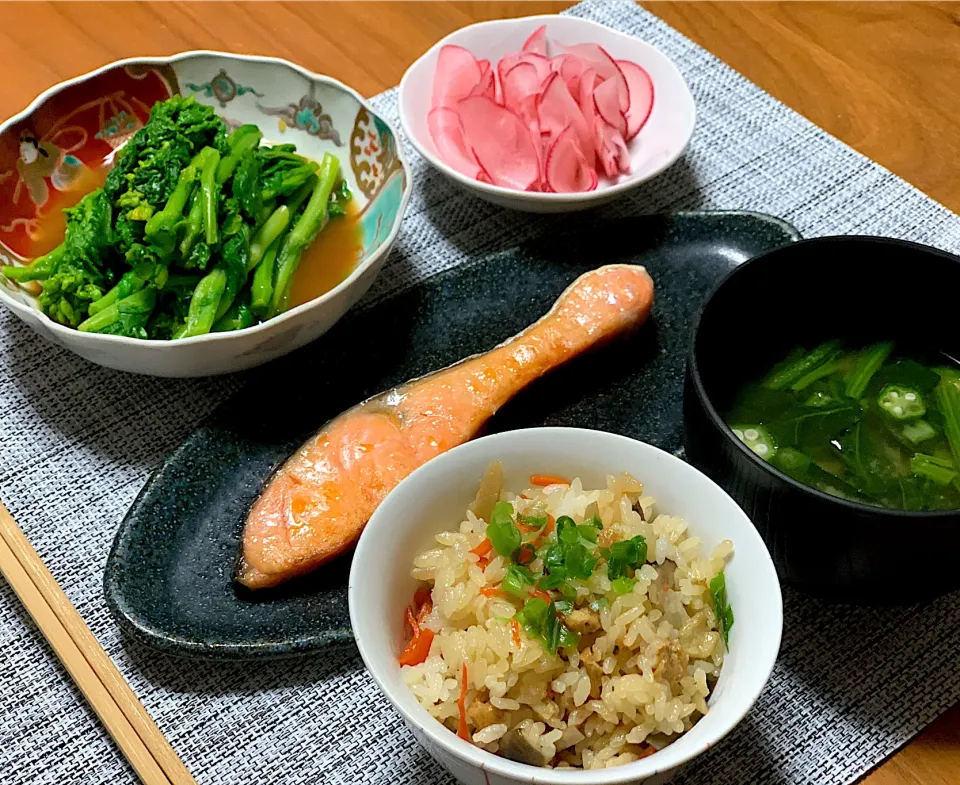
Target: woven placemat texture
(77, 442)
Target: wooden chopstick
(91, 668)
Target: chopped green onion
(554, 579)
(568, 637)
(579, 562)
(553, 557)
(568, 592)
(597, 604)
(502, 531)
(623, 585)
(624, 555)
(516, 579)
(564, 606)
(551, 630)
(567, 533)
(532, 614)
(588, 532)
(532, 520)
(722, 610)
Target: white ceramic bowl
(83, 120)
(658, 145)
(433, 499)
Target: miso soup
(872, 424)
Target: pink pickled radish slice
(507, 62)
(640, 86)
(608, 105)
(530, 121)
(447, 134)
(520, 87)
(457, 74)
(486, 85)
(567, 169)
(518, 84)
(597, 57)
(557, 110)
(501, 142)
(588, 106)
(541, 63)
(537, 42)
(572, 66)
(612, 150)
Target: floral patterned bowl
(63, 137)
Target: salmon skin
(318, 502)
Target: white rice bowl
(646, 661)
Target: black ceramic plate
(169, 575)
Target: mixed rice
(592, 643)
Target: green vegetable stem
(866, 368)
(193, 225)
(237, 318)
(125, 317)
(271, 229)
(241, 141)
(194, 230)
(801, 368)
(208, 195)
(939, 470)
(303, 233)
(204, 304)
(262, 289)
(39, 269)
(948, 401)
(161, 229)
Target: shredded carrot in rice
(462, 730)
(424, 611)
(526, 554)
(493, 591)
(545, 596)
(421, 596)
(545, 532)
(418, 647)
(411, 621)
(548, 479)
(483, 548)
(515, 626)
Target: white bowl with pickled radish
(546, 113)
(433, 500)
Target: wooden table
(883, 77)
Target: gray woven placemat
(77, 442)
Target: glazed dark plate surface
(169, 576)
